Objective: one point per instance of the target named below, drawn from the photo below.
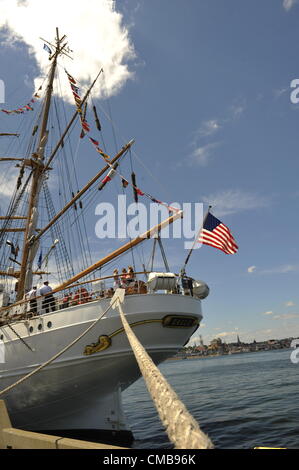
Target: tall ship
(64, 338)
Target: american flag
(218, 235)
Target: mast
(30, 249)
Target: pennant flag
(108, 178)
(85, 126)
(125, 183)
(215, 233)
(100, 151)
(94, 142)
(139, 192)
(39, 262)
(71, 79)
(78, 101)
(75, 88)
(26, 107)
(46, 48)
(156, 200)
(97, 121)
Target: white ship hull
(79, 394)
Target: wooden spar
(16, 274)
(136, 241)
(12, 230)
(6, 134)
(83, 190)
(11, 159)
(16, 217)
(60, 142)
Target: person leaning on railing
(130, 277)
(116, 282)
(123, 278)
(81, 296)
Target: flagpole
(183, 270)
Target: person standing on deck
(49, 300)
(116, 282)
(123, 278)
(32, 300)
(130, 275)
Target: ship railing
(81, 293)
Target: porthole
(40, 327)
(31, 329)
(1, 338)
(49, 324)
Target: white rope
(42, 366)
(182, 429)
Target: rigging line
(15, 196)
(90, 197)
(13, 93)
(75, 115)
(18, 146)
(42, 366)
(25, 122)
(131, 250)
(70, 189)
(135, 154)
(92, 193)
(110, 112)
(63, 150)
(68, 140)
(11, 211)
(141, 257)
(16, 236)
(63, 163)
(64, 266)
(101, 132)
(85, 247)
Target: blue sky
(209, 104)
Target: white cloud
(233, 201)
(284, 269)
(288, 4)
(226, 334)
(237, 109)
(268, 313)
(286, 316)
(279, 92)
(251, 269)
(7, 184)
(95, 33)
(290, 303)
(208, 128)
(202, 149)
(201, 155)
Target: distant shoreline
(200, 356)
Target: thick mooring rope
(182, 429)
